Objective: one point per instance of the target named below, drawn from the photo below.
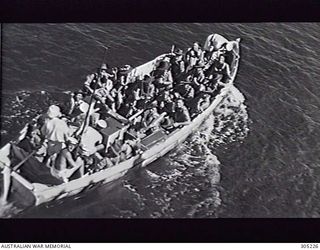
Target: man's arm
(187, 122)
(70, 160)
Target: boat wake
(8, 210)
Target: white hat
(84, 107)
(229, 46)
(53, 111)
(102, 124)
(72, 140)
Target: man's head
(31, 131)
(196, 46)
(166, 95)
(180, 103)
(78, 96)
(187, 87)
(178, 54)
(222, 59)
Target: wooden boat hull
(43, 193)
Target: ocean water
(262, 161)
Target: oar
(86, 120)
(16, 167)
(6, 184)
(131, 118)
(172, 48)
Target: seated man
(147, 87)
(188, 92)
(103, 94)
(202, 102)
(76, 100)
(193, 56)
(181, 116)
(149, 117)
(163, 70)
(66, 164)
(161, 84)
(79, 120)
(219, 70)
(127, 150)
(31, 141)
(177, 65)
(121, 149)
(166, 103)
(79, 116)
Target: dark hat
(178, 52)
(125, 69)
(104, 66)
(147, 79)
(78, 92)
(163, 65)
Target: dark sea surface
(271, 171)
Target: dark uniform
(181, 114)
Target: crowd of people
(181, 86)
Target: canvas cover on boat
(32, 170)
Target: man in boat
(181, 116)
(79, 120)
(121, 149)
(202, 102)
(67, 163)
(163, 70)
(177, 65)
(188, 92)
(54, 130)
(103, 94)
(149, 117)
(33, 142)
(76, 100)
(106, 72)
(161, 84)
(219, 70)
(193, 55)
(80, 114)
(148, 89)
(123, 73)
(166, 103)
(91, 83)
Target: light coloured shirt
(55, 129)
(90, 138)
